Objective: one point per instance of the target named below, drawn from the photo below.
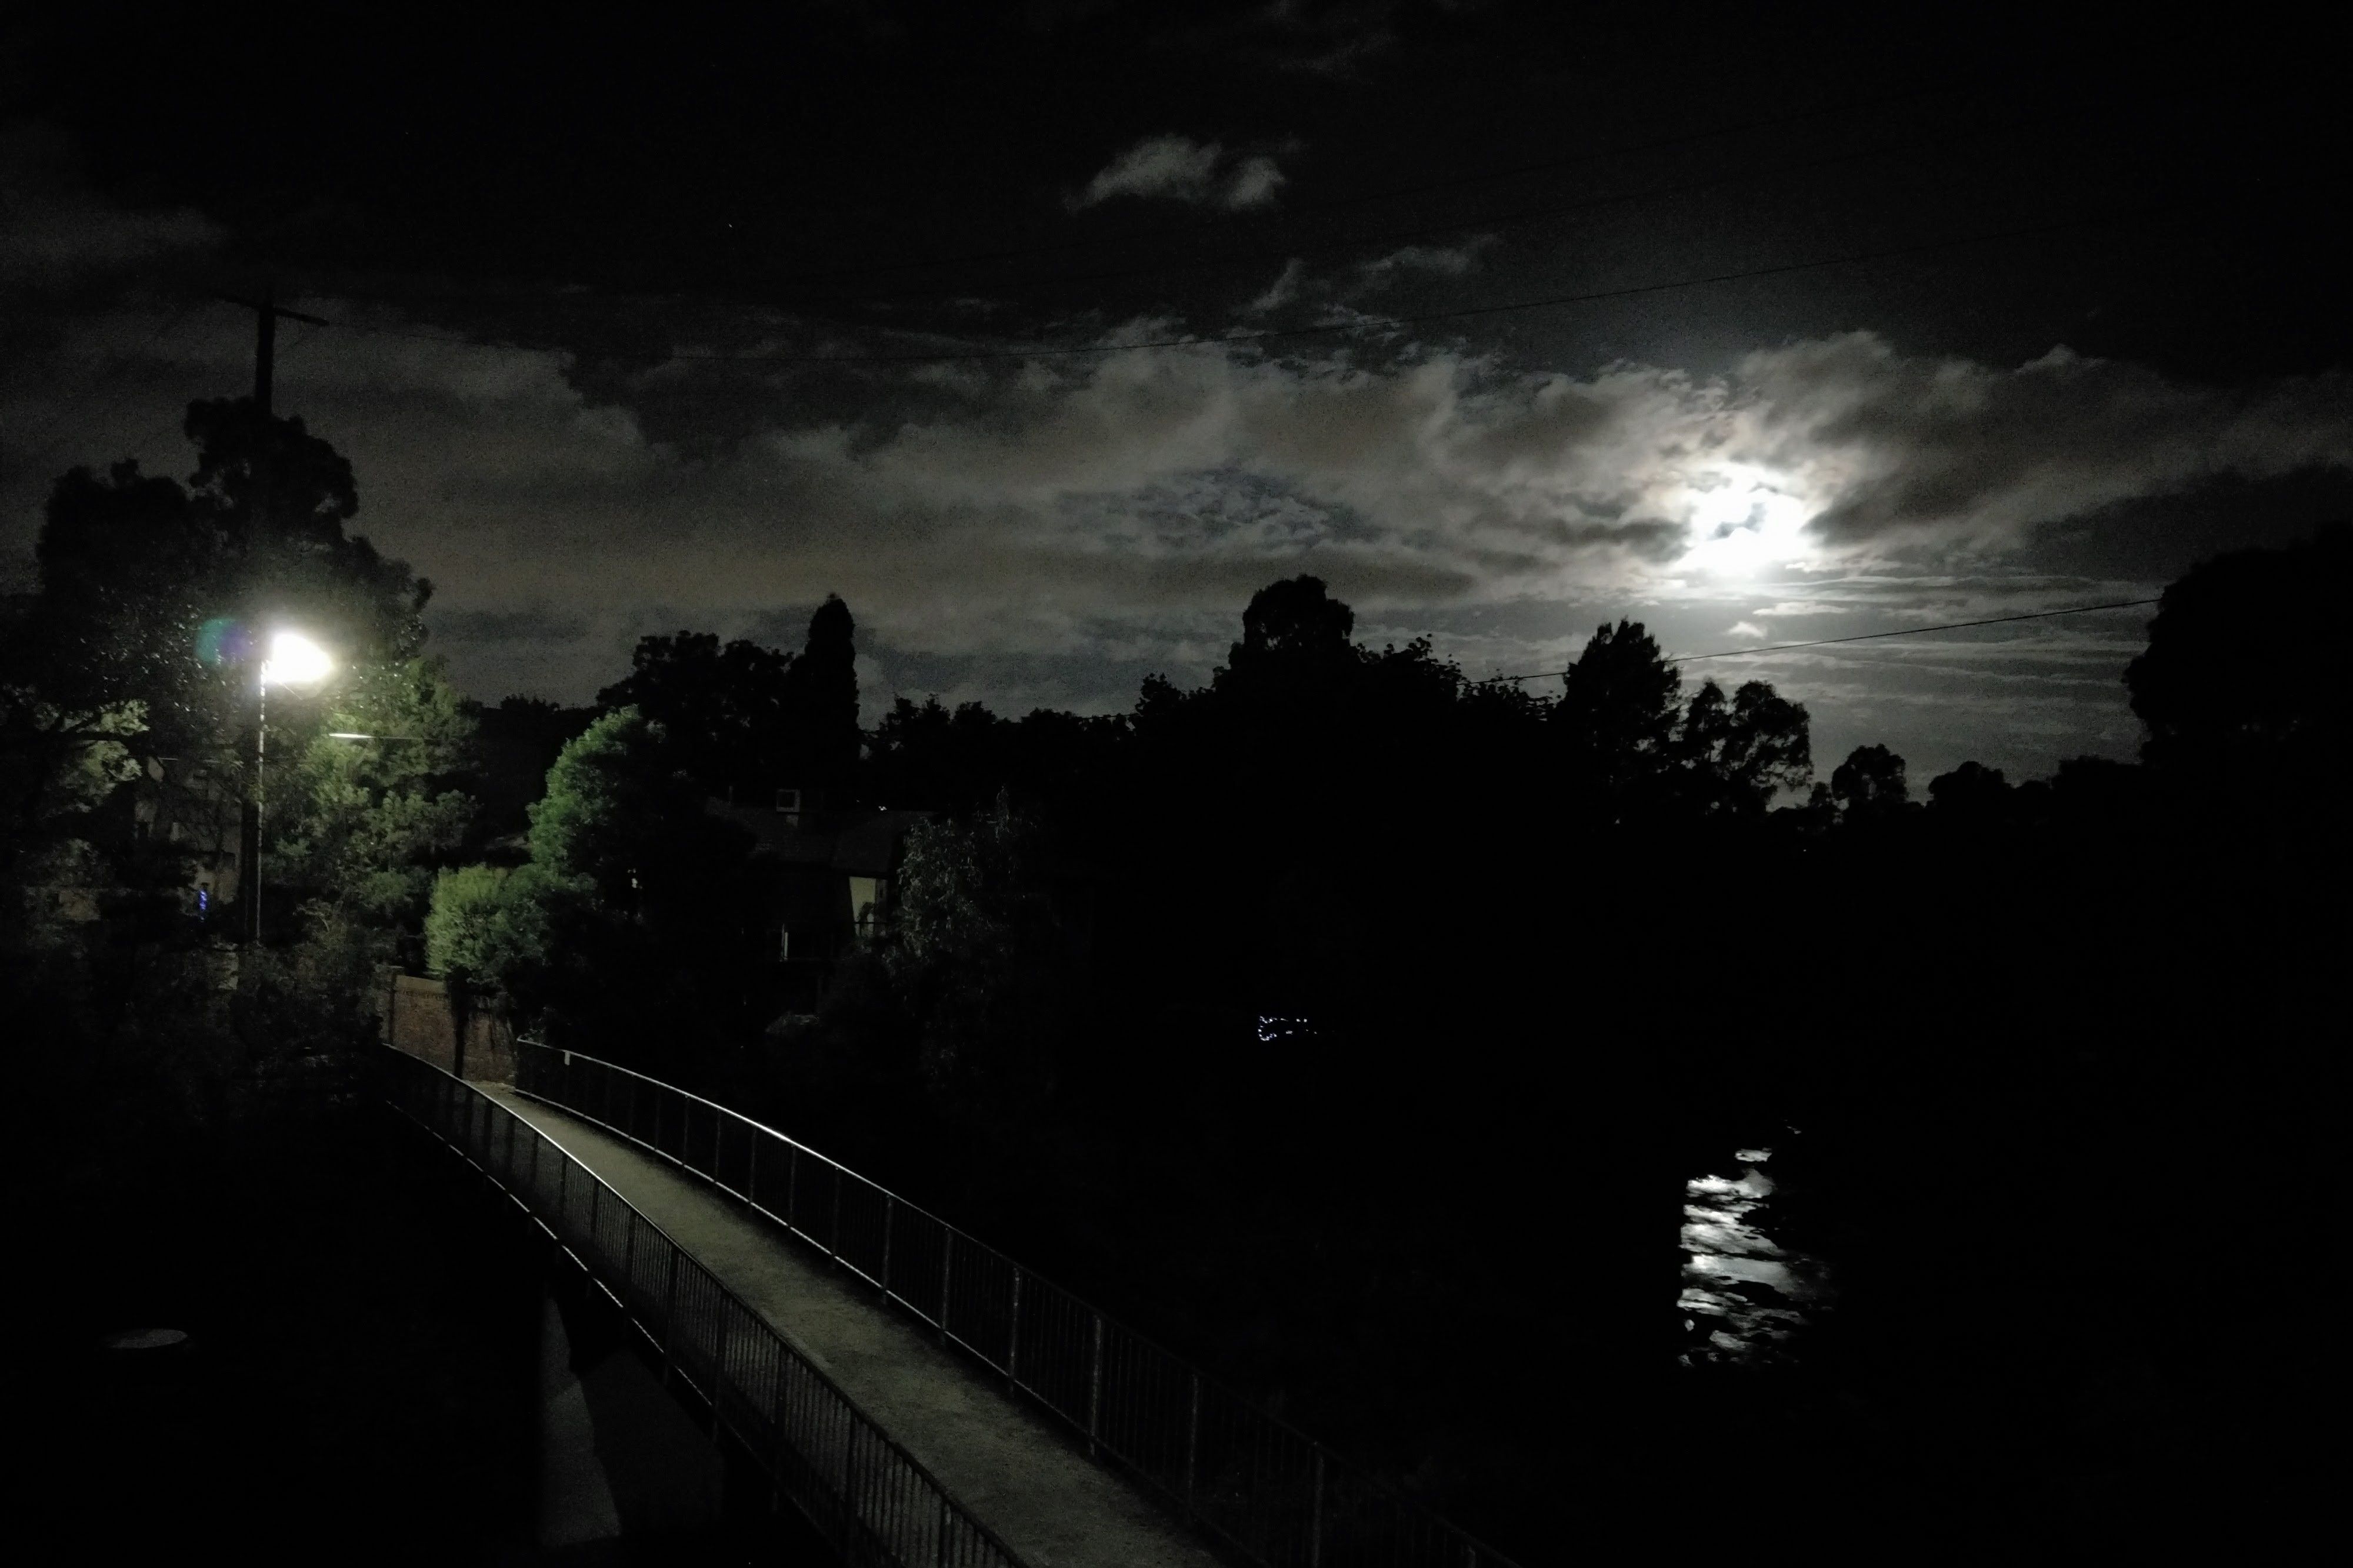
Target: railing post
(1094, 1389)
(1013, 1339)
(670, 1320)
(947, 1266)
(850, 1463)
(1192, 1438)
(890, 1213)
(781, 1424)
(1315, 1516)
(940, 1540)
(793, 1189)
(752, 1169)
(833, 1237)
(719, 1368)
(595, 1205)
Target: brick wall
(415, 1012)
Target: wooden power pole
(266, 311)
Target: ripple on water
(1745, 1295)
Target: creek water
(1746, 1298)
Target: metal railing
(1247, 1478)
(864, 1492)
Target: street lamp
(294, 660)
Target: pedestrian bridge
(918, 1396)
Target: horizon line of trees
(1294, 772)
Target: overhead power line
(1489, 222)
(1505, 221)
(1459, 182)
(1271, 334)
(123, 362)
(1860, 636)
(179, 420)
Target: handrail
(874, 1501)
(1242, 1474)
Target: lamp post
(294, 660)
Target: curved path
(999, 1456)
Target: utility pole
(266, 311)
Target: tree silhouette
(1295, 621)
(1737, 752)
(820, 698)
(1869, 786)
(161, 597)
(1971, 794)
(637, 917)
(725, 711)
(2238, 687)
(1616, 716)
(134, 568)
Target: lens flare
(222, 640)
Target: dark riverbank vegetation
(1350, 1024)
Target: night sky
(688, 322)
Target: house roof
(867, 846)
(861, 844)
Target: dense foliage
(1314, 1017)
(128, 715)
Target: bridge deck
(999, 1456)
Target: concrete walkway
(997, 1456)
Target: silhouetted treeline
(1406, 995)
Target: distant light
(295, 660)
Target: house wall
(415, 1012)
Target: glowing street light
(295, 660)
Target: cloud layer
(1049, 531)
(1178, 168)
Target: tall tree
(637, 919)
(1972, 794)
(2238, 687)
(1616, 717)
(975, 951)
(1294, 626)
(1737, 752)
(1869, 786)
(726, 710)
(165, 596)
(821, 702)
(169, 592)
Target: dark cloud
(585, 463)
(1970, 450)
(57, 233)
(507, 625)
